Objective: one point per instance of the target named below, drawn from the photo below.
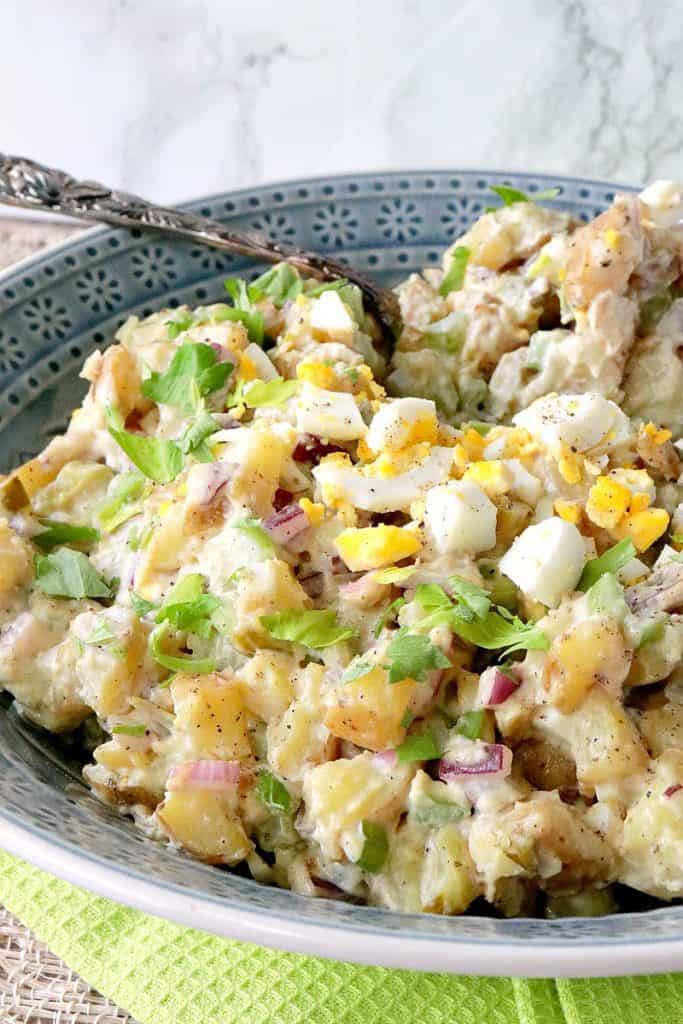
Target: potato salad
(402, 628)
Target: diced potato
(656, 660)
(652, 851)
(75, 486)
(542, 838)
(264, 588)
(267, 683)
(211, 716)
(661, 727)
(591, 652)
(109, 673)
(448, 883)
(206, 824)
(15, 559)
(299, 738)
(340, 794)
(258, 455)
(163, 552)
(123, 774)
(115, 378)
(368, 711)
(398, 886)
(601, 738)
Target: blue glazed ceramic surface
(56, 309)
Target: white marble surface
(174, 99)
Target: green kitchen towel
(164, 974)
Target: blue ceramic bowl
(54, 310)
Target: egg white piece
(581, 422)
(396, 422)
(460, 517)
(330, 318)
(329, 414)
(546, 560)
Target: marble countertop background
(178, 99)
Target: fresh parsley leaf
(614, 559)
(69, 573)
(253, 528)
(418, 747)
(453, 280)
(141, 606)
(652, 631)
(408, 718)
(606, 596)
(182, 321)
(356, 670)
(129, 730)
(192, 363)
(280, 284)
(350, 294)
(473, 724)
(188, 608)
(394, 574)
(102, 634)
(491, 630)
(501, 629)
(438, 812)
(388, 613)
(511, 195)
(193, 439)
(375, 848)
(159, 460)
(177, 662)
(123, 501)
(412, 655)
(64, 533)
(264, 392)
(243, 310)
(480, 426)
(273, 793)
(471, 600)
(316, 629)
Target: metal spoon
(29, 184)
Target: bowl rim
(281, 929)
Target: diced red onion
(214, 478)
(495, 762)
(314, 584)
(538, 288)
(286, 524)
(495, 686)
(220, 350)
(218, 775)
(671, 790)
(364, 591)
(24, 526)
(312, 449)
(384, 759)
(337, 566)
(281, 498)
(225, 421)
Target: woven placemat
(37, 987)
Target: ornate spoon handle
(29, 184)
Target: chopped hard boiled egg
(341, 481)
(330, 319)
(329, 414)
(581, 422)
(546, 560)
(403, 422)
(375, 546)
(460, 517)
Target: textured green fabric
(164, 974)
